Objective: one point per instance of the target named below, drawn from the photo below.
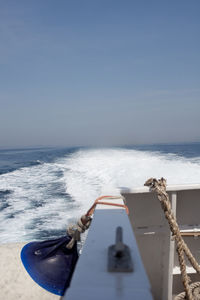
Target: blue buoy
(50, 263)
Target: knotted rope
(192, 292)
(75, 230)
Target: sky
(99, 72)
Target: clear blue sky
(99, 72)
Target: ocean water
(44, 189)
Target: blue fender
(50, 264)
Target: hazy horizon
(97, 147)
(99, 73)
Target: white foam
(82, 175)
(87, 172)
(31, 198)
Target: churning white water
(39, 201)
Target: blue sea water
(44, 189)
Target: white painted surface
(154, 237)
(91, 279)
(170, 188)
(189, 270)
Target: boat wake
(37, 202)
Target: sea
(42, 190)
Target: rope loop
(98, 201)
(75, 230)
